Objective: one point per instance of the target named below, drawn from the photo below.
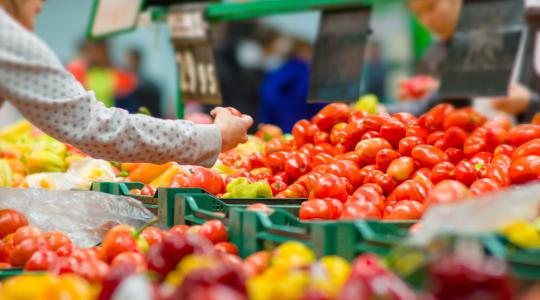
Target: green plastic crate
(524, 263)
(197, 208)
(162, 204)
(379, 237)
(265, 232)
(7, 273)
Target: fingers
(247, 120)
(217, 111)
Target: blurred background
(137, 69)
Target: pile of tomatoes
(352, 165)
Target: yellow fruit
(367, 103)
(293, 254)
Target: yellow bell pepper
(189, 264)
(278, 282)
(523, 234)
(164, 180)
(6, 175)
(47, 287)
(146, 173)
(293, 254)
(336, 273)
(45, 161)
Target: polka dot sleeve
(34, 80)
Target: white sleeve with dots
(34, 80)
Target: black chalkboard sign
(484, 49)
(531, 61)
(197, 74)
(339, 55)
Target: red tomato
(4, 252)
(207, 179)
(296, 165)
(294, 191)
(257, 160)
(63, 265)
(41, 260)
(135, 191)
(382, 179)
(316, 209)
(447, 191)
(407, 144)
(357, 115)
(435, 137)
(25, 232)
(466, 118)
(179, 181)
(405, 210)
(226, 247)
(350, 156)
(55, 240)
(280, 176)
(525, 169)
(360, 210)
(347, 169)
(368, 149)
(278, 187)
(276, 161)
(373, 123)
(405, 118)
(325, 148)
(454, 137)
(425, 172)
(260, 174)
(256, 263)
(25, 249)
(523, 133)
(393, 131)
(401, 169)
(370, 135)
(416, 131)
(483, 186)
(153, 235)
(473, 145)
(331, 114)
(365, 170)
(148, 190)
(371, 187)
(404, 191)
(10, 221)
(93, 271)
(494, 136)
(454, 155)
(428, 156)
(179, 229)
(465, 172)
(132, 259)
(353, 133)
(302, 132)
(335, 206)
(384, 158)
(531, 147)
(215, 231)
(321, 137)
(338, 133)
(480, 159)
(310, 179)
(505, 149)
(422, 185)
(369, 195)
(331, 186)
(442, 171)
(435, 117)
(114, 244)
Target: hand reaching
(233, 128)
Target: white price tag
(110, 16)
(187, 24)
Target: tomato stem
(138, 232)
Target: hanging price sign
(484, 50)
(113, 16)
(339, 55)
(197, 74)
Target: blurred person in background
(34, 80)
(441, 17)
(147, 93)
(285, 88)
(95, 70)
(238, 57)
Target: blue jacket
(284, 94)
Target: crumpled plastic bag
(79, 176)
(486, 214)
(83, 215)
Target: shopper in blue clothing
(285, 88)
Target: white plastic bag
(83, 215)
(486, 214)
